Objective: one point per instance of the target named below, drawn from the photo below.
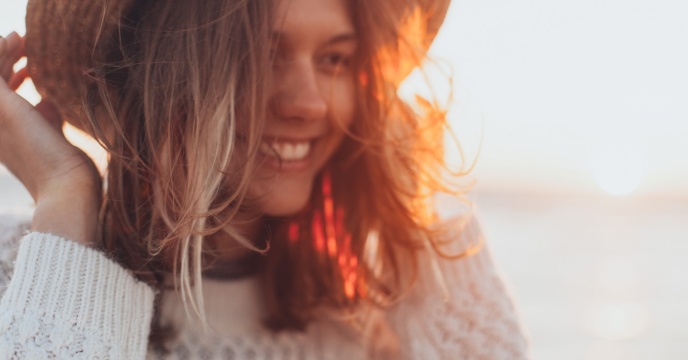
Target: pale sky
(575, 90)
(573, 94)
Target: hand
(62, 180)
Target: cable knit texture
(65, 301)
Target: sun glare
(90, 146)
(618, 169)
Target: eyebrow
(344, 37)
(341, 38)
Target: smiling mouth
(286, 150)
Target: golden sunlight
(89, 145)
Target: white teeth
(302, 150)
(286, 151)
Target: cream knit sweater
(61, 300)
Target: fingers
(18, 78)
(15, 45)
(11, 50)
(3, 58)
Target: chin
(287, 199)
(285, 205)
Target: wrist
(71, 213)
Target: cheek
(343, 103)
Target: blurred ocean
(595, 277)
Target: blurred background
(577, 113)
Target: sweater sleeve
(459, 309)
(67, 301)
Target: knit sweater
(66, 301)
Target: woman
(267, 193)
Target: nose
(297, 95)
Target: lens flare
(332, 240)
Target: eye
(335, 62)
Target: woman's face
(311, 100)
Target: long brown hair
(371, 209)
(179, 105)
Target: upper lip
(291, 139)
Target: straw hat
(67, 38)
(64, 39)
